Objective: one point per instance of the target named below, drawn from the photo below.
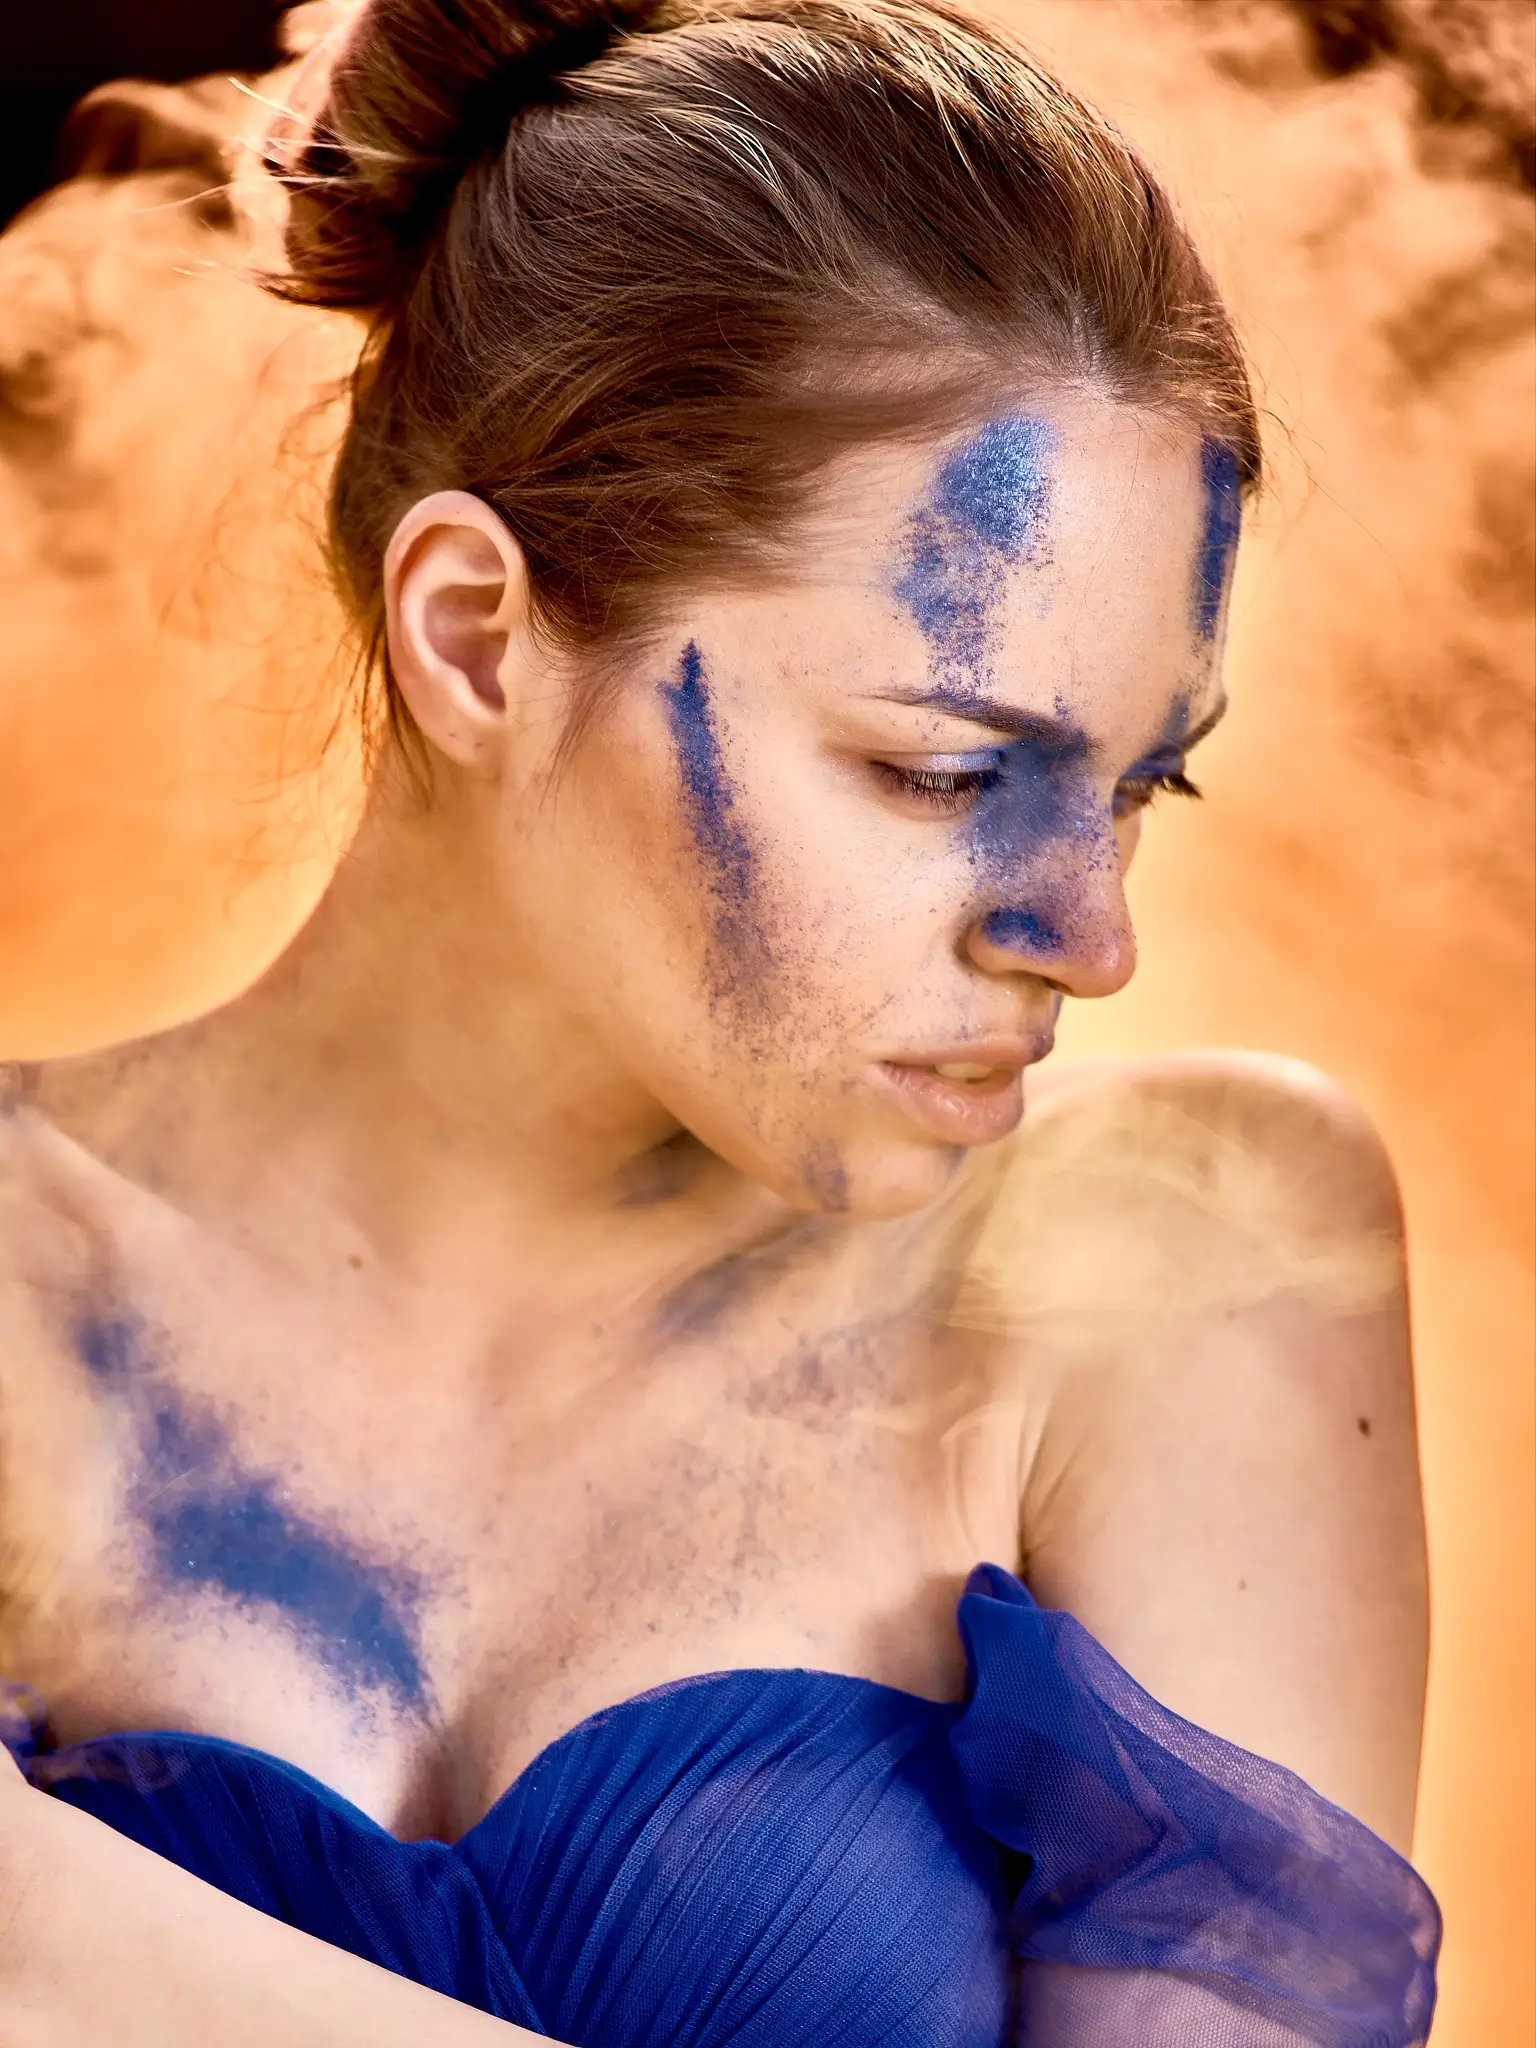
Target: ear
(456, 596)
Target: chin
(867, 1182)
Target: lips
(969, 1094)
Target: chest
(408, 1566)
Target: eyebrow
(1039, 726)
(1192, 735)
(992, 712)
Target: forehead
(1067, 547)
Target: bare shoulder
(1200, 1262)
(1153, 1192)
(1290, 1113)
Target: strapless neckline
(75, 1758)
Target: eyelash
(1172, 782)
(949, 790)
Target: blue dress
(791, 1859)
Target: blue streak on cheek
(1219, 534)
(710, 803)
(987, 508)
(214, 1523)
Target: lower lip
(959, 1112)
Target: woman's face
(820, 877)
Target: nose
(1079, 941)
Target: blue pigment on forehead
(987, 509)
(993, 487)
(215, 1523)
(1219, 534)
(709, 799)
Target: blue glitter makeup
(1022, 930)
(215, 1523)
(987, 508)
(1038, 824)
(1219, 535)
(710, 800)
(1039, 794)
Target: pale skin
(427, 1202)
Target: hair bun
(415, 90)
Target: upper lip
(981, 1052)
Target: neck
(408, 1063)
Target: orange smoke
(1355, 891)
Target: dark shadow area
(54, 51)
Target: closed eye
(1137, 792)
(946, 783)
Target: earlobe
(456, 598)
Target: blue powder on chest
(214, 1522)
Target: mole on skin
(215, 1523)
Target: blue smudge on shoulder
(987, 508)
(1219, 534)
(216, 1523)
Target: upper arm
(1223, 1486)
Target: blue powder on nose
(214, 1523)
(1037, 833)
(987, 508)
(1219, 534)
(1022, 929)
(1040, 793)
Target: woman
(536, 1373)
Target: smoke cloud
(1356, 890)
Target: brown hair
(635, 272)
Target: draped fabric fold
(1155, 1846)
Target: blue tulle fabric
(792, 1859)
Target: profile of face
(816, 881)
